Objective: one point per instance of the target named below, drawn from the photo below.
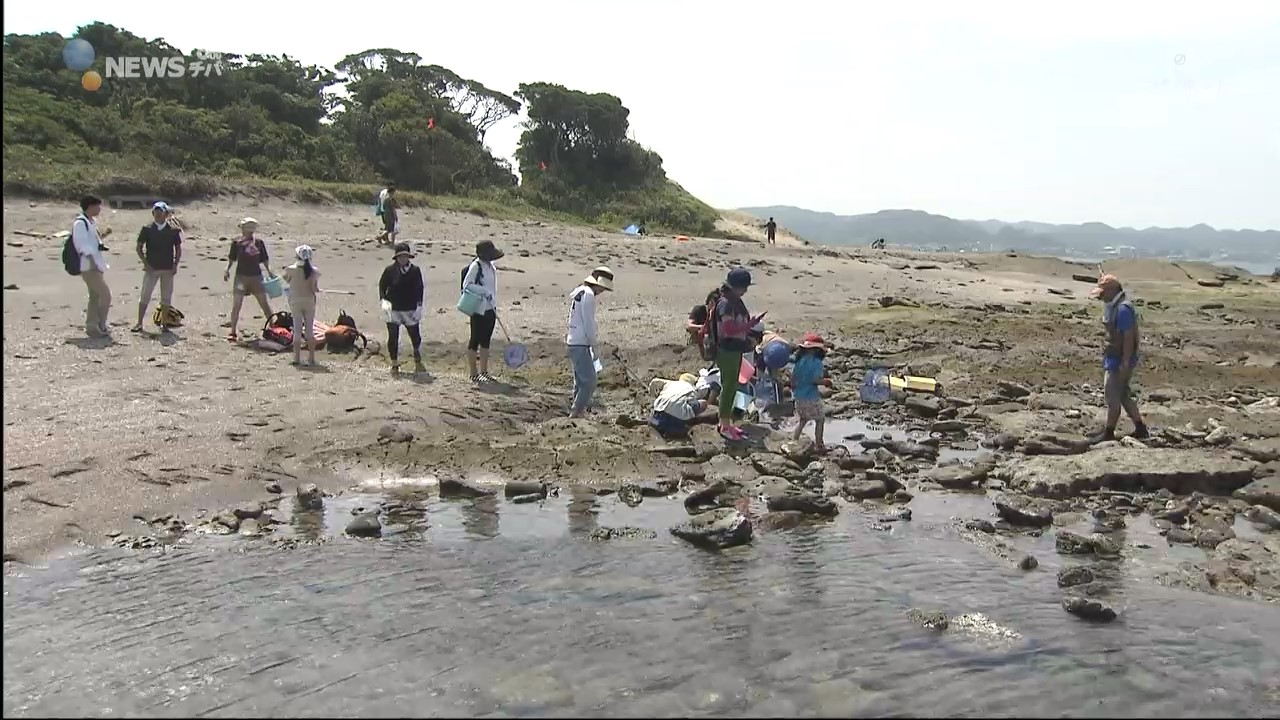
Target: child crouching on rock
(806, 376)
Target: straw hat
(601, 277)
(247, 221)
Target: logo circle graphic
(91, 81)
(78, 54)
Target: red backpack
(279, 328)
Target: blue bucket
(274, 286)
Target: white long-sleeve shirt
(84, 235)
(488, 282)
(582, 317)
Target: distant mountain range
(925, 231)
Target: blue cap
(739, 279)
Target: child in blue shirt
(806, 375)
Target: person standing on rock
(771, 230)
(160, 250)
(93, 266)
(582, 336)
(248, 255)
(304, 289)
(806, 375)
(482, 276)
(1119, 358)
(402, 292)
(733, 325)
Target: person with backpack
(304, 287)
(402, 292)
(388, 209)
(481, 276)
(160, 250)
(581, 338)
(1119, 357)
(248, 255)
(82, 255)
(732, 325)
(696, 325)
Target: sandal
(232, 338)
(136, 328)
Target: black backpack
(462, 278)
(71, 256)
(708, 339)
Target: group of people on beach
(735, 344)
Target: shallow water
(483, 607)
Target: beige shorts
(809, 409)
(249, 285)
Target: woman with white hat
(581, 338)
(402, 292)
(248, 255)
(304, 287)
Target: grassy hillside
(271, 124)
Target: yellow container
(914, 384)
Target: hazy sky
(1131, 113)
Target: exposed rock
(365, 525)
(949, 426)
(227, 519)
(250, 527)
(808, 503)
(1075, 575)
(955, 477)
(521, 487)
(1264, 516)
(706, 497)
(717, 529)
(1020, 510)
(1070, 543)
(1258, 451)
(1180, 471)
(309, 497)
(801, 451)
(1219, 436)
(662, 487)
(1164, 395)
(896, 515)
(865, 489)
(630, 533)
(392, 433)
(723, 468)
(272, 487)
(455, 488)
(854, 462)
(1089, 609)
(1011, 390)
(929, 619)
(248, 510)
(781, 520)
(1052, 401)
(631, 495)
(923, 405)
(526, 498)
(1265, 492)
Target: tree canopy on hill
(381, 114)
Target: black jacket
(405, 290)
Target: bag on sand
(279, 328)
(343, 335)
(170, 316)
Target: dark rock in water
(1209, 538)
(309, 497)
(706, 497)
(1075, 575)
(983, 526)
(1265, 492)
(1028, 562)
(898, 514)
(659, 488)
(929, 619)
(227, 519)
(717, 529)
(909, 449)
(631, 495)
(514, 488)
(1176, 515)
(808, 503)
(1179, 471)
(392, 433)
(250, 527)
(855, 462)
(629, 533)
(1069, 543)
(1019, 510)
(1264, 516)
(1088, 608)
(781, 520)
(956, 477)
(1179, 535)
(901, 496)
(949, 426)
(865, 489)
(365, 525)
(455, 488)
(526, 498)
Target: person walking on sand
(581, 338)
(1119, 357)
(402, 292)
(733, 325)
(806, 375)
(304, 286)
(248, 255)
(482, 276)
(389, 209)
(160, 250)
(771, 229)
(93, 266)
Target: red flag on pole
(431, 123)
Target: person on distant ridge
(771, 229)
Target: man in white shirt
(581, 337)
(84, 235)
